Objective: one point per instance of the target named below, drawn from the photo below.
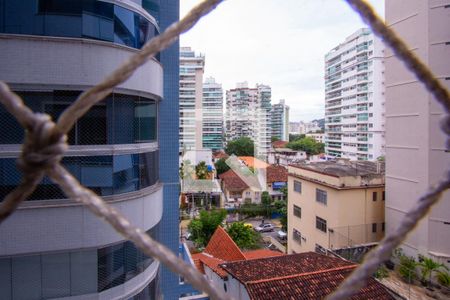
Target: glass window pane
(26, 277)
(145, 116)
(125, 27)
(83, 272)
(91, 128)
(98, 20)
(5, 279)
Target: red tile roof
(276, 173)
(201, 259)
(279, 144)
(253, 162)
(232, 182)
(298, 276)
(222, 246)
(261, 253)
(220, 154)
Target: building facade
(248, 115)
(213, 134)
(280, 121)
(354, 98)
(416, 149)
(191, 99)
(52, 247)
(335, 204)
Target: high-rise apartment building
(212, 114)
(52, 247)
(416, 151)
(354, 98)
(280, 121)
(191, 95)
(248, 115)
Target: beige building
(416, 154)
(335, 204)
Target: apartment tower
(416, 151)
(280, 121)
(212, 115)
(248, 115)
(354, 98)
(53, 247)
(191, 95)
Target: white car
(265, 227)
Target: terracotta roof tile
(276, 173)
(251, 161)
(280, 266)
(313, 286)
(298, 276)
(220, 154)
(232, 182)
(261, 253)
(211, 262)
(279, 144)
(222, 246)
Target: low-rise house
(297, 276)
(318, 137)
(335, 204)
(285, 156)
(236, 189)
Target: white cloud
(279, 43)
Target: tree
(186, 169)
(295, 137)
(243, 235)
(307, 144)
(203, 228)
(429, 266)
(201, 170)
(281, 208)
(274, 139)
(242, 146)
(266, 201)
(221, 166)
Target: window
(383, 195)
(383, 226)
(374, 227)
(297, 211)
(321, 196)
(321, 224)
(297, 236)
(374, 196)
(297, 186)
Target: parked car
(265, 227)
(282, 236)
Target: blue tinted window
(76, 18)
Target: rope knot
(43, 146)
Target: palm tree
(429, 266)
(201, 170)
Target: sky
(281, 43)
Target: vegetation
(307, 144)
(407, 266)
(242, 146)
(443, 278)
(203, 228)
(243, 235)
(186, 169)
(281, 208)
(266, 201)
(201, 170)
(221, 166)
(274, 139)
(428, 266)
(295, 137)
(381, 272)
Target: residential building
(318, 137)
(248, 115)
(280, 121)
(309, 127)
(296, 276)
(236, 189)
(191, 99)
(416, 151)
(53, 247)
(280, 155)
(354, 98)
(335, 204)
(294, 127)
(212, 115)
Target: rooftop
(298, 276)
(343, 167)
(253, 162)
(276, 173)
(279, 144)
(232, 181)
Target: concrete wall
(415, 146)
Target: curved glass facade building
(52, 50)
